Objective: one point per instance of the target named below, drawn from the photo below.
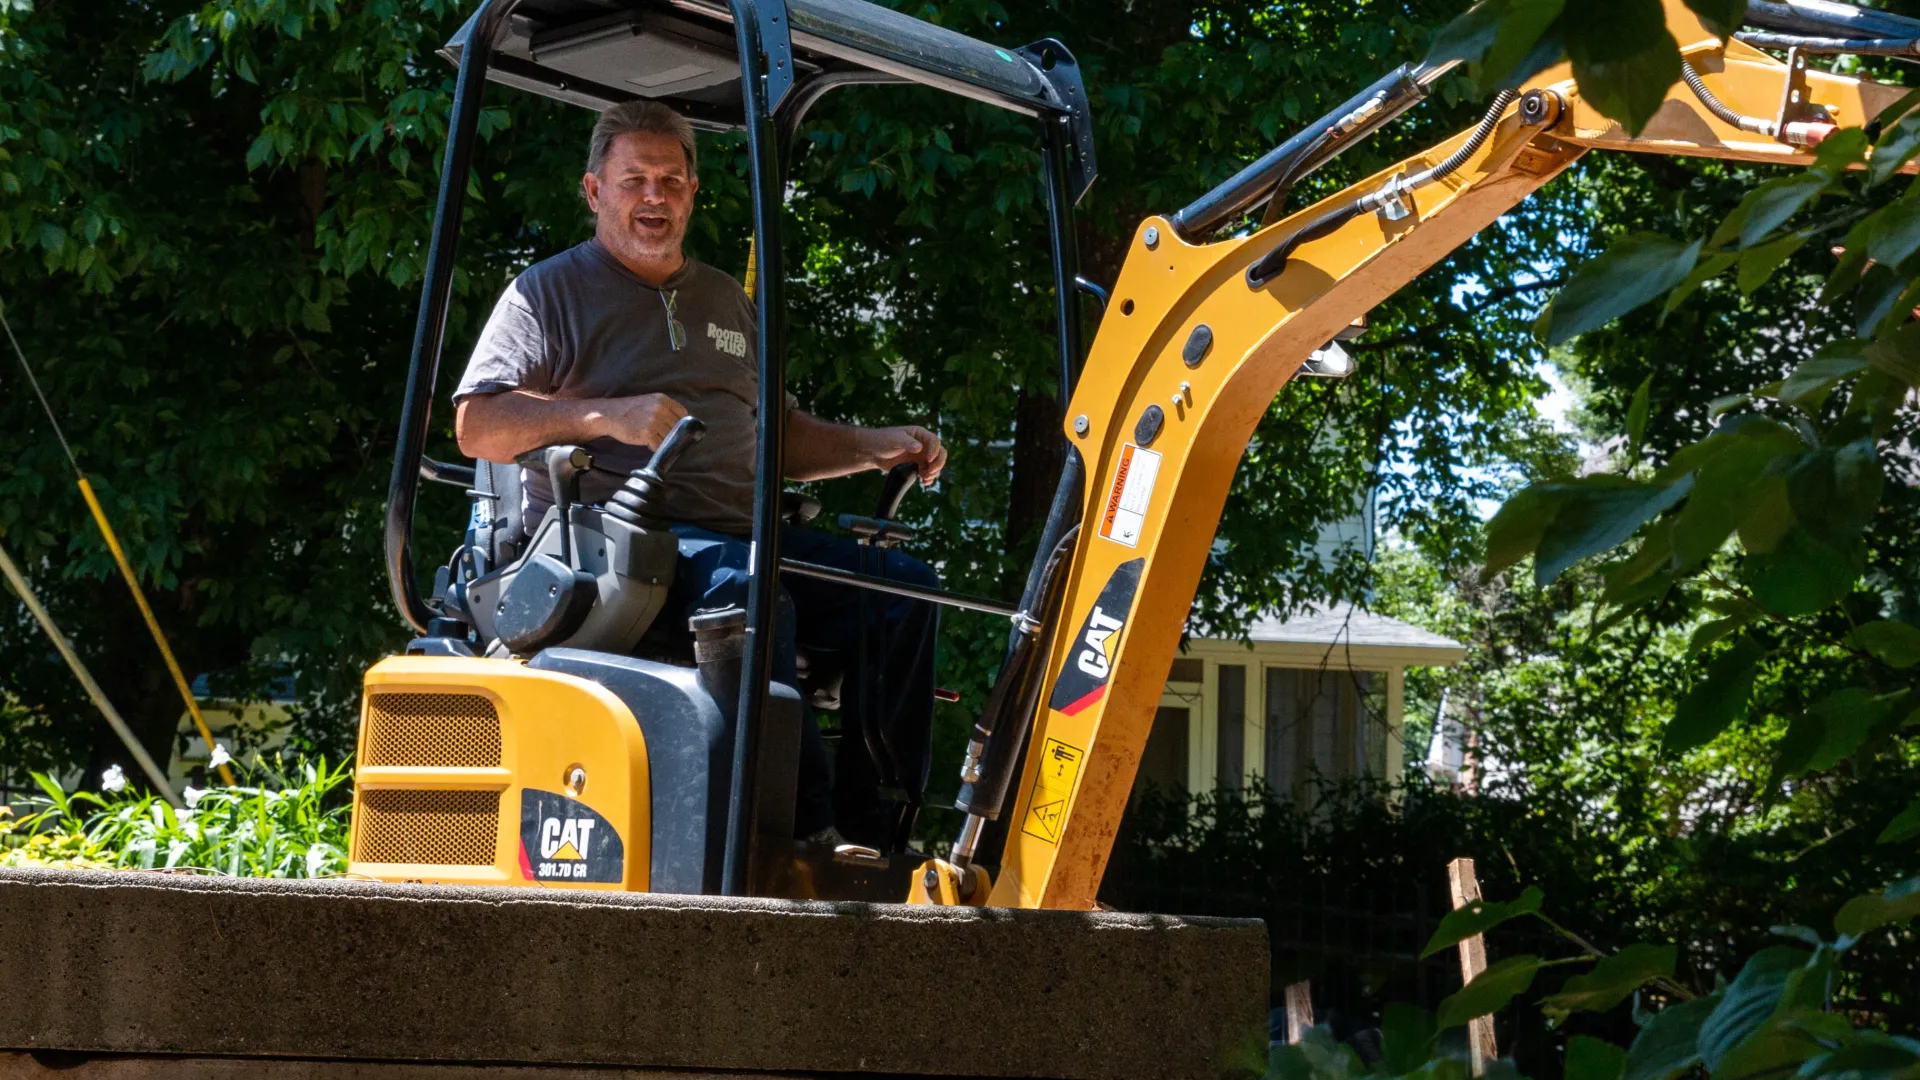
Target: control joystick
(640, 502)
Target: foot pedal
(859, 855)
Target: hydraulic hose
(1719, 108)
(1895, 47)
(987, 772)
(1386, 198)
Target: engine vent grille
(458, 731)
(437, 828)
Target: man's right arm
(502, 426)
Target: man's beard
(651, 246)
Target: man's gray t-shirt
(581, 325)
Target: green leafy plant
(1760, 529)
(1776, 1017)
(280, 821)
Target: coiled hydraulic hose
(1388, 195)
(1719, 108)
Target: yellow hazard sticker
(1052, 790)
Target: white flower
(220, 757)
(114, 779)
(317, 858)
(192, 795)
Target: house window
(1188, 669)
(1163, 763)
(1230, 763)
(1324, 720)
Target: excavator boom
(1199, 338)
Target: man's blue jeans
(896, 683)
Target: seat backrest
(497, 526)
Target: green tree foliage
(1768, 521)
(215, 218)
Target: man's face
(642, 197)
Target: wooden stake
(1473, 961)
(1299, 997)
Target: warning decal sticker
(1126, 510)
(1084, 678)
(564, 840)
(1052, 790)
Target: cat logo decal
(1083, 681)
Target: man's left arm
(819, 450)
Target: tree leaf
(1896, 644)
(1611, 980)
(1515, 531)
(1723, 491)
(1589, 1058)
(1624, 58)
(1506, 41)
(1897, 903)
(1599, 513)
(1810, 382)
(1634, 270)
(1406, 1038)
(1835, 493)
(1831, 730)
(1904, 826)
(1749, 1001)
(1758, 264)
(1800, 575)
(1718, 700)
(1898, 143)
(1721, 17)
(1712, 631)
(1895, 232)
(1637, 418)
(1490, 991)
(1768, 207)
(1710, 267)
(1669, 1043)
(1897, 354)
(1480, 916)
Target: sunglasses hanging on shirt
(676, 333)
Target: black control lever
(638, 501)
(688, 431)
(900, 480)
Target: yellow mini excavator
(546, 730)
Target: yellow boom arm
(1192, 351)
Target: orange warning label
(1052, 790)
(1132, 491)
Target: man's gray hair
(640, 117)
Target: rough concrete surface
(62, 1065)
(165, 964)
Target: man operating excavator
(609, 344)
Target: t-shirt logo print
(731, 342)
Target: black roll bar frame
(768, 80)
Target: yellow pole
(153, 624)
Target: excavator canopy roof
(597, 53)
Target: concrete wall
(164, 964)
